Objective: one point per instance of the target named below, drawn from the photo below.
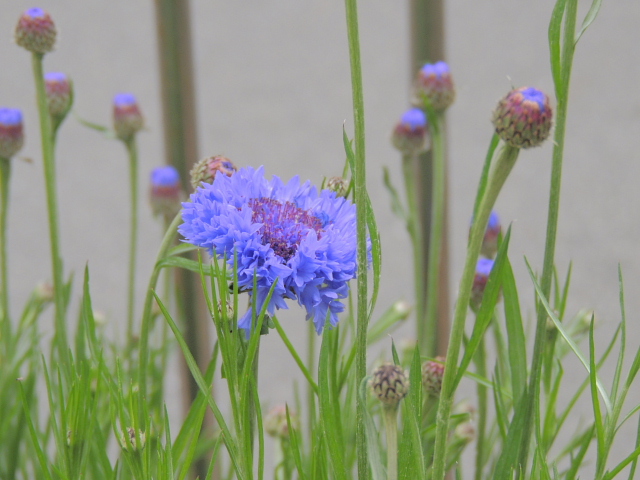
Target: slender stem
(481, 366)
(167, 242)
(46, 136)
(311, 392)
(504, 164)
(132, 151)
(435, 240)
(5, 174)
(361, 201)
(391, 429)
(552, 228)
(415, 232)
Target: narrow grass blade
(589, 18)
(515, 331)
(484, 176)
(567, 337)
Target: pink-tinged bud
(411, 134)
(275, 422)
(491, 236)
(432, 373)
(166, 191)
(390, 384)
(36, 31)
(483, 269)
(523, 118)
(59, 95)
(338, 185)
(207, 168)
(127, 119)
(11, 132)
(434, 82)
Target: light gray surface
(273, 88)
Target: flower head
(207, 168)
(275, 422)
(390, 384)
(286, 236)
(411, 134)
(59, 90)
(36, 31)
(523, 118)
(432, 373)
(339, 185)
(434, 82)
(483, 269)
(166, 191)
(127, 119)
(11, 132)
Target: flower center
(283, 225)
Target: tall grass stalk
(132, 151)
(5, 317)
(361, 198)
(505, 162)
(48, 156)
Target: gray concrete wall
(273, 88)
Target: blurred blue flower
(289, 235)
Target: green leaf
(396, 204)
(328, 419)
(294, 445)
(555, 30)
(484, 176)
(515, 332)
(589, 18)
(485, 315)
(567, 337)
(378, 471)
(181, 262)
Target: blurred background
(273, 88)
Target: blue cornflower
(289, 235)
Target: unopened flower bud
(275, 423)
(411, 134)
(390, 384)
(127, 119)
(432, 373)
(523, 118)
(44, 292)
(207, 168)
(166, 191)
(465, 432)
(339, 185)
(491, 235)
(11, 133)
(36, 31)
(133, 444)
(59, 90)
(483, 269)
(434, 82)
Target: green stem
(481, 366)
(562, 92)
(132, 151)
(391, 429)
(415, 232)
(361, 201)
(435, 239)
(504, 164)
(5, 175)
(311, 392)
(166, 244)
(46, 136)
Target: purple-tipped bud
(432, 373)
(11, 133)
(59, 94)
(275, 422)
(491, 235)
(166, 191)
(434, 82)
(338, 185)
(483, 269)
(207, 168)
(390, 384)
(523, 118)
(127, 119)
(411, 134)
(36, 31)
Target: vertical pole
(180, 133)
(427, 45)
